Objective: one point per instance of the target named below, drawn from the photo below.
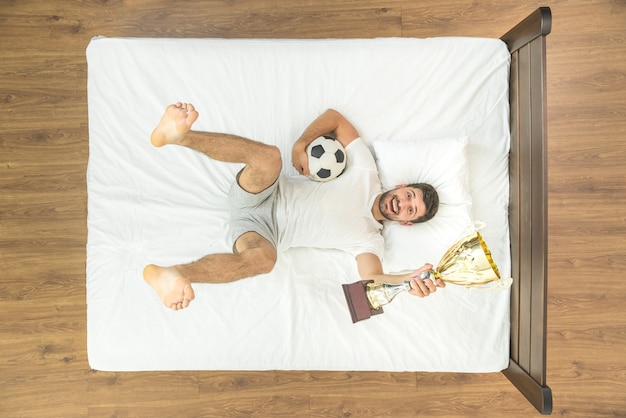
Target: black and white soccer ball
(327, 158)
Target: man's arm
(330, 122)
(370, 268)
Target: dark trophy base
(358, 304)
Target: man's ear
(406, 223)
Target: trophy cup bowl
(467, 262)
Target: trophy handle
(474, 226)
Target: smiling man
(271, 213)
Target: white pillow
(439, 162)
(443, 164)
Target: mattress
(168, 205)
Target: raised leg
(262, 162)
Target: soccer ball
(327, 158)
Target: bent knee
(267, 261)
(261, 260)
(262, 170)
(272, 156)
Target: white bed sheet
(168, 205)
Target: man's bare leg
(263, 162)
(254, 255)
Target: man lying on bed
(271, 213)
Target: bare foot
(174, 290)
(174, 124)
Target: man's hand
(422, 288)
(330, 122)
(371, 268)
(300, 159)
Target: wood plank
(46, 279)
(514, 205)
(438, 394)
(462, 18)
(244, 23)
(133, 388)
(291, 382)
(233, 405)
(606, 256)
(43, 393)
(525, 208)
(539, 215)
(48, 319)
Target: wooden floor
(43, 157)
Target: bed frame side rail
(528, 207)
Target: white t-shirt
(336, 214)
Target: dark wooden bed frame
(528, 207)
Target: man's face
(403, 204)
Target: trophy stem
(379, 294)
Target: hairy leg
(254, 255)
(262, 162)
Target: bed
(470, 110)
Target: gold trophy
(467, 262)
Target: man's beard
(383, 206)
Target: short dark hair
(431, 201)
